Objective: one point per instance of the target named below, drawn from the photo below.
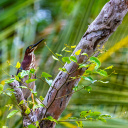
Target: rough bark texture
(18, 94)
(98, 32)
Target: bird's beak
(35, 45)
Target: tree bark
(60, 93)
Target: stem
(55, 56)
(12, 99)
(42, 102)
(46, 82)
(6, 73)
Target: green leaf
(96, 61)
(27, 110)
(4, 126)
(63, 48)
(90, 119)
(37, 123)
(79, 123)
(10, 80)
(105, 116)
(67, 51)
(95, 113)
(18, 65)
(83, 65)
(17, 78)
(73, 77)
(31, 126)
(63, 69)
(85, 54)
(58, 54)
(52, 119)
(66, 59)
(10, 106)
(22, 87)
(88, 72)
(41, 105)
(49, 81)
(67, 46)
(30, 80)
(75, 88)
(10, 89)
(23, 73)
(35, 107)
(88, 88)
(9, 94)
(21, 102)
(12, 113)
(54, 58)
(102, 119)
(78, 52)
(46, 75)
(34, 92)
(38, 106)
(89, 79)
(105, 82)
(102, 73)
(41, 98)
(85, 113)
(32, 70)
(30, 102)
(1, 88)
(73, 58)
(72, 118)
(110, 67)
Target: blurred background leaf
(63, 22)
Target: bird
(29, 62)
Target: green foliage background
(62, 22)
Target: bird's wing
(19, 70)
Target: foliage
(12, 113)
(88, 115)
(20, 26)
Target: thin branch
(56, 56)
(12, 99)
(42, 102)
(46, 82)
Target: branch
(30, 118)
(18, 94)
(98, 32)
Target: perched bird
(27, 64)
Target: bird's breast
(28, 62)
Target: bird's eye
(30, 47)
